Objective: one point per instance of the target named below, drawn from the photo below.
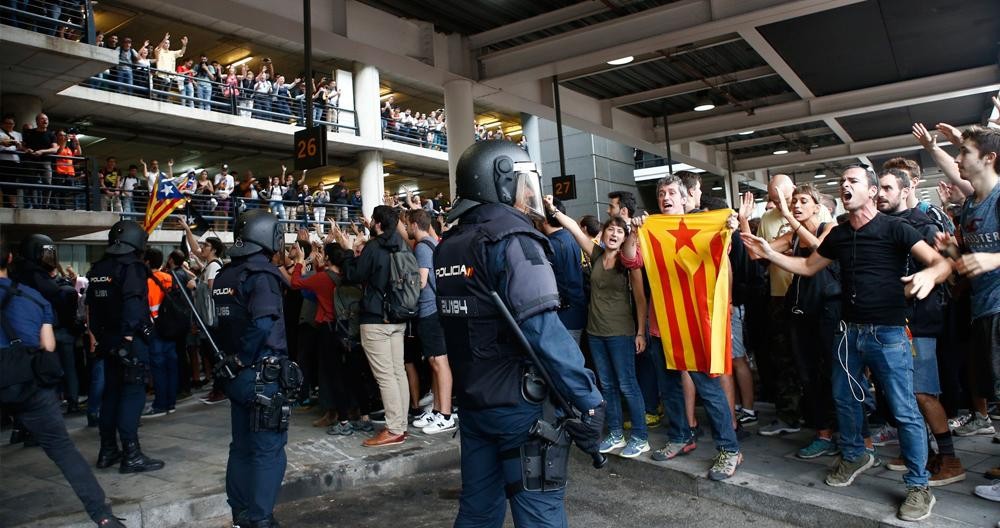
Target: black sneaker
(746, 416)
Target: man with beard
(872, 249)
(924, 324)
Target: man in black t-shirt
(40, 144)
(872, 250)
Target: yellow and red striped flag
(163, 199)
(687, 262)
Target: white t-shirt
(151, 178)
(224, 186)
(9, 153)
(129, 183)
(277, 191)
(211, 270)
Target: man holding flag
(166, 195)
(689, 277)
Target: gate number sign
(564, 187)
(310, 148)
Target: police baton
(599, 459)
(222, 365)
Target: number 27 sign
(564, 187)
(310, 148)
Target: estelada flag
(164, 198)
(687, 262)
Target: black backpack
(173, 319)
(399, 299)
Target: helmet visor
(48, 256)
(528, 191)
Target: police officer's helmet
(39, 249)
(126, 237)
(256, 231)
(496, 171)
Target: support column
(529, 128)
(366, 101)
(372, 181)
(345, 118)
(24, 107)
(461, 120)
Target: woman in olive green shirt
(612, 332)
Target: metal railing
(193, 92)
(423, 137)
(74, 184)
(69, 19)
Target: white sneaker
(424, 419)
(427, 401)
(989, 492)
(440, 424)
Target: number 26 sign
(310, 148)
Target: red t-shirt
(322, 285)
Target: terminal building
(734, 90)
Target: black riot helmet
(126, 237)
(496, 171)
(41, 250)
(256, 231)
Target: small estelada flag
(166, 197)
(687, 262)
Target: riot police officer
(119, 319)
(260, 379)
(34, 267)
(494, 248)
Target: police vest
(486, 360)
(230, 292)
(104, 297)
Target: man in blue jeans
(672, 196)
(872, 249)
(162, 350)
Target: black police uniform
(496, 248)
(118, 307)
(248, 302)
(25, 309)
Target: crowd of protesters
(877, 327)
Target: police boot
(110, 521)
(109, 453)
(133, 461)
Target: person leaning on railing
(11, 144)
(69, 147)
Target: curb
(313, 481)
(783, 501)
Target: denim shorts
(736, 326)
(925, 369)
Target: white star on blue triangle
(168, 191)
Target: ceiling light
(747, 132)
(704, 105)
(716, 188)
(623, 60)
(493, 124)
(780, 152)
(818, 176)
(242, 61)
(386, 96)
(831, 183)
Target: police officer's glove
(586, 431)
(227, 367)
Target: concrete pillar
(366, 101)
(372, 181)
(529, 128)
(345, 81)
(24, 107)
(461, 124)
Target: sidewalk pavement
(773, 482)
(194, 443)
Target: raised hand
(746, 206)
(925, 138)
(952, 134)
(944, 191)
(184, 40)
(549, 205)
(756, 245)
(996, 104)
(170, 162)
